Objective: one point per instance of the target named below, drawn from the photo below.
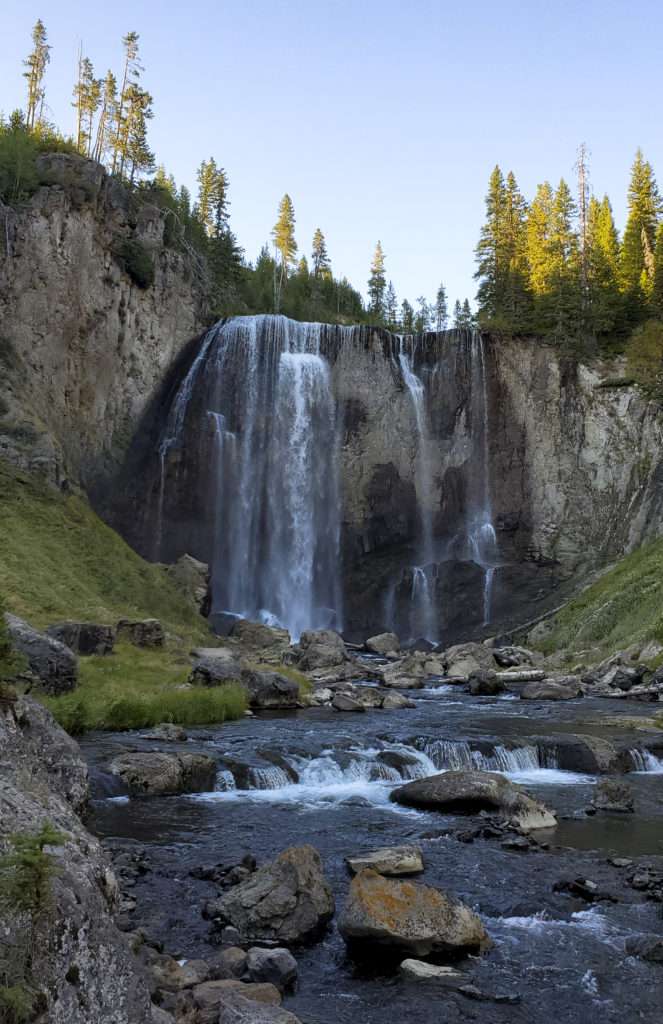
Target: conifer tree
(283, 234)
(423, 320)
(441, 311)
(127, 100)
(377, 286)
(644, 208)
(515, 304)
(107, 116)
(457, 315)
(407, 317)
(321, 264)
(391, 308)
(537, 240)
(211, 208)
(36, 66)
(490, 252)
(656, 300)
(604, 299)
(87, 96)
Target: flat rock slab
(463, 792)
(408, 917)
(549, 690)
(389, 860)
(424, 971)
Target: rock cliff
(83, 348)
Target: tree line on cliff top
(554, 266)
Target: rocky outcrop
(52, 666)
(256, 635)
(288, 901)
(193, 579)
(84, 637)
(460, 792)
(161, 774)
(141, 632)
(89, 348)
(83, 965)
(407, 917)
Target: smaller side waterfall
(481, 540)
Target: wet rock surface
(163, 774)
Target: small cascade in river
(257, 417)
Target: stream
(554, 956)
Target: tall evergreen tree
(537, 240)
(603, 292)
(321, 264)
(283, 234)
(391, 308)
(407, 317)
(490, 252)
(377, 286)
(656, 300)
(212, 205)
(440, 310)
(36, 67)
(457, 315)
(107, 116)
(423, 320)
(127, 100)
(644, 208)
(516, 302)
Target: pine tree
(515, 304)
(139, 156)
(603, 293)
(637, 252)
(391, 308)
(656, 300)
(538, 232)
(87, 96)
(131, 74)
(407, 317)
(423, 320)
(377, 286)
(36, 65)
(457, 315)
(440, 310)
(583, 214)
(320, 259)
(283, 234)
(212, 205)
(107, 116)
(490, 252)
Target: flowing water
(564, 959)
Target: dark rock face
(78, 927)
(591, 755)
(289, 901)
(193, 578)
(84, 637)
(485, 683)
(160, 774)
(210, 671)
(407, 917)
(52, 664)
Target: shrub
(18, 161)
(644, 358)
(137, 261)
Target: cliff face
(83, 349)
(478, 481)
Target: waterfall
(256, 415)
(481, 541)
(423, 615)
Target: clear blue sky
(381, 119)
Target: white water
(267, 470)
(480, 532)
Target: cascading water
(270, 455)
(481, 541)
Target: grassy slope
(624, 606)
(59, 561)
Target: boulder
(52, 665)
(258, 635)
(228, 963)
(83, 637)
(397, 676)
(577, 752)
(287, 901)
(383, 643)
(269, 689)
(161, 774)
(210, 671)
(277, 966)
(166, 973)
(323, 638)
(550, 689)
(461, 792)
(236, 1009)
(193, 579)
(512, 656)
(613, 795)
(484, 682)
(167, 732)
(395, 701)
(407, 917)
(342, 702)
(370, 696)
(647, 947)
(320, 656)
(461, 659)
(211, 996)
(141, 632)
(389, 860)
(423, 971)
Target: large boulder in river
(383, 643)
(84, 637)
(461, 659)
(579, 752)
(161, 774)
(462, 792)
(407, 917)
(269, 689)
(321, 648)
(257, 635)
(193, 579)
(613, 795)
(52, 665)
(485, 682)
(553, 689)
(287, 901)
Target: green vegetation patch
(625, 606)
(59, 561)
(138, 262)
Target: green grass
(623, 607)
(59, 561)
